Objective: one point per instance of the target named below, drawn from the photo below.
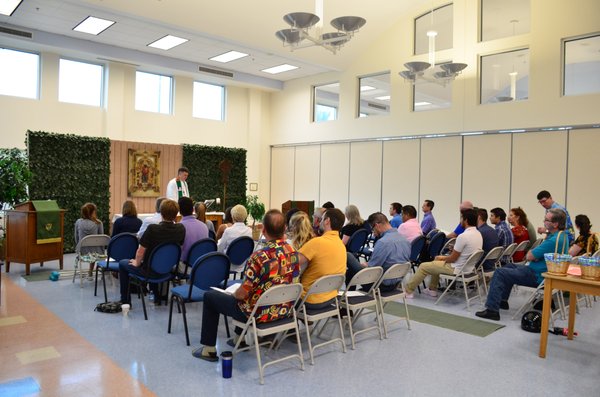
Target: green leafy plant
(72, 170)
(255, 208)
(14, 177)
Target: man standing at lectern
(177, 187)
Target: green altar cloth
(48, 221)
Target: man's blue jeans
(503, 281)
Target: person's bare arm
(139, 256)
(448, 258)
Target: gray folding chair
(522, 247)
(537, 293)
(536, 243)
(396, 271)
(494, 254)
(467, 274)
(276, 295)
(95, 241)
(507, 254)
(360, 300)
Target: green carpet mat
(42, 275)
(444, 320)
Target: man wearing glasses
(545, 199)
(529, 275)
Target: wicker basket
(557, 264)
(590, 268)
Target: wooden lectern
(21, 237)
(306, 206)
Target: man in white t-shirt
(466, 243)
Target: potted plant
(256, 209)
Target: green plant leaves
(14, 176)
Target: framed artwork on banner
(144, 173)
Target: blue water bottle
(227, 364)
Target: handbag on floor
(108, 307)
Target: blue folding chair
(121, 246)
(416, 249)
(357, 241)
(161, 263)
(239, 251)
(209, 270)
(199, 248)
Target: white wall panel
(401, 174)
(441, 178)
(583, 187)
(486, 170)
(335, 170)
(365, 176)
(539, 163)
(282, 176)
(308, 163)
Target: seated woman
(587, 241)
(238, 229)
(200, 209)
(87, 225)
(301, 229)
(355, 222)
(227, 222)
(518, 219)
(129, 222)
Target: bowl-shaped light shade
(348, 24)
(301, 20)
(335, 38)
(407, 75)
(417, 67)
(289, 36)
(441, 75)
(453, 68)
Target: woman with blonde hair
(300, 229)
(355, 222)
(129, 221)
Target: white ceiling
(212, 27)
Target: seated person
(529, 275)
(465, 205)
(167, 231)
(518, 219)
(355, 222)
(410, 227)
(129, 222)
(277, 263)
(200, 209)
(194, 229)
(391, 248)
(238, 229)
(151, 220)
(489, 236)
(324, 255)
(396, 214)
(300, 229)
(466, 244)
(227, 222)
(317, 215)
(498, 218)
(587, 241)
(88, 225)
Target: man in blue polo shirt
(529, 275)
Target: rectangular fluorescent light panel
(366, 88)
(93, 25)
(383, 98)
(167, 42)
(279, 69)
(7, 7)
(228, 56)
(422, 103)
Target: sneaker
(430, 292)
(489, 314)
(205, 355)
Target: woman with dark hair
(518, 219)
(87, 225)
(227, 222)
(129, 222)
(587, 241)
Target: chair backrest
(536, 243)
(199, 248)
(123, 246)
(596, 254)
(431, 233)
(211, 234)
(164, 258)
(357, 240)
(416, 247)
(522, 246)
(93, 240)
(210, 270)
(240, 249)
(332, 282)
(509, 251)
(395, 271)
(278, 295)
(448, 245)
(369, 275)
(436, 243)
(471, 262)
(493, 255)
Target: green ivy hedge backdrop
(205, 180)
(72, 170)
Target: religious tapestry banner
(144, 173)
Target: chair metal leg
(96, 282)
(185, 326)
(143, 288)
(445, 291)
(104, 287)
(170, 313)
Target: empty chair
(431, 233)
(468, 273)
(239, 251)
(416, 249)
(357, 241)
(208, 270)
(493, 255)
(507, 254)
(395, 271)
(199, 248)
(360, 300)
(92, 240)
(122, 246)
(435, 245)
(276, 295)
(367, 249)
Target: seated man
(396, 214)
(166, 231)
(238, 229)
(466, 244)
(410, 227)
(428, 222)
(324, 255)
(529, 275)
(465, 205)
(498, 218)
(391, 248)
(194, 229)
(151, 220)
(489, 236)
(277, 263)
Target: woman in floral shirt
(587, 241)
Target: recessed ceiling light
(366, 88)
(93, 25)
(279, 69)
(7, 7)
(167, 42)
(228, 56)
(422, 103)
(383, 98)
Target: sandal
(208, 356)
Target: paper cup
(125, 308)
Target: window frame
(223, 100)
(103, 81)
(38, 75)
(171, 96)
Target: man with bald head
(465, 205)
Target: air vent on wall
(15, 32)
(376, 106)
(215, 71)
